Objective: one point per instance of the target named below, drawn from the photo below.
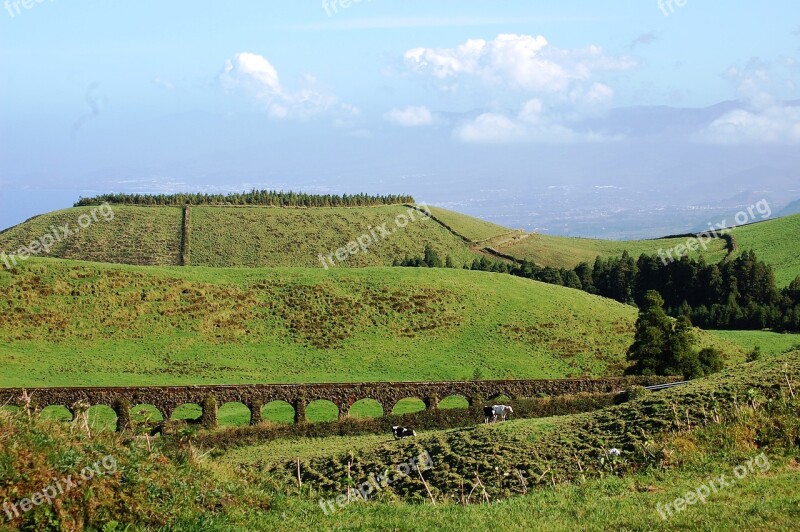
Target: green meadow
(567, 252)
(66, 323)
(775, 242)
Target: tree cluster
(430, 259)
(735, 294)
(254, 197)
(663, 347)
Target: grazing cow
(402, 432)
(488, 414)
(501, 412)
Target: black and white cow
(495, 412)
(502, 411)
(402, 432)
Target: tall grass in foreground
(173, 484)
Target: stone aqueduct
(167, 398)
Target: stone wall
(167, 398)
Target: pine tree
(432, 259)
(680, 357)
(650, 342)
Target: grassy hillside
(776, 243)
(251, 237)
(549, 470)
(771, 343)
(566, 449)
(241, 236)
(567, 252)
(277, 237)
(68, 323)
(472, 228)
(127, 235)
(505, 476)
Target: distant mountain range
(792, 208)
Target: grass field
(776, 243)
(68, 323)
(268, 236)
(571, 447)
(128, 235)
(470, 227)
(682, 453)
(242, 236)
(567, 252)
(534, 473)
(232, 237)
(767, 501)
(771, 343)
(189, 489)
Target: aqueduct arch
(254, 396)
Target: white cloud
(410, 116)
(553, 87)
(253, 69)
(766, 120)
(490, 127)
(598, 93)
(777, 124)
(533, 123)
(257, 77)
(522, 62)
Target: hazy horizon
(592, 119)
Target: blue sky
(154, 96)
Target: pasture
(771, 343)
(775, 242)
(243, 236)
(472, 228)
(567, 252)
(66, 323)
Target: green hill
(71, 323)
(134, 235)
(776, 243)
(253, 237)
(473, 229)
(249, 236)
(567, 252)
(240, 236)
